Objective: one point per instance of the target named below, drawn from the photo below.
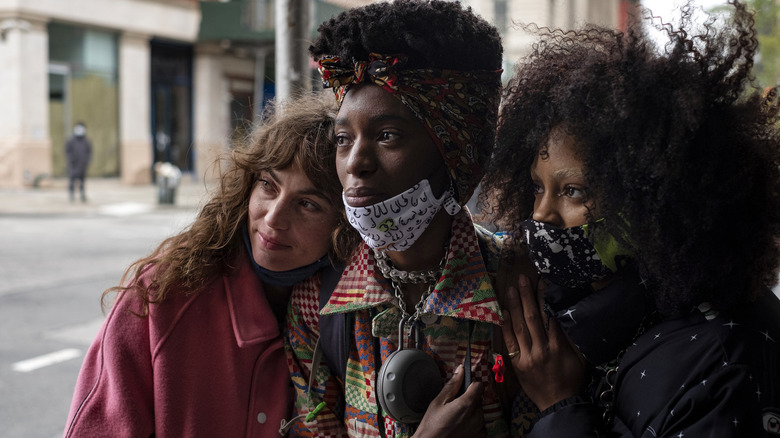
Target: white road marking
(82, 334)
(25, 366)
(125, 209)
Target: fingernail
(458, 370)
(523, 280)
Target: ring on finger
(513, 354)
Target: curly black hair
(433, 34)
(680, 149)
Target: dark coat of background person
(78, 151)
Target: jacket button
(261, 418)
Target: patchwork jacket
(463, 300)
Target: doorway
(171, 87)
(60, 117)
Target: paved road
(56, 259)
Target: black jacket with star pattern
(707, 373)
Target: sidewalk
(104, 195)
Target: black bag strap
(334, 328)
(327, 348)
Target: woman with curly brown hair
(194, 343)
(644, 185)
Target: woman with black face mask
(644, 186)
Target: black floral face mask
(564, 256)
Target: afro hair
(680, 150)
(432, 34)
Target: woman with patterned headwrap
(418, 85)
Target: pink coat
(209, 365)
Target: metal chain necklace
(399, 400)
(414, 277)
(606, 397)
(418, 308)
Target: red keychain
(498, 368)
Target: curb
(104, 196)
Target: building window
(501, 15)
(83, 86)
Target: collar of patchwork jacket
(465, 289)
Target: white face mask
(79, 131)
(396, 223)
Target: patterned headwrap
(456, 107)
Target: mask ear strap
(451, 205)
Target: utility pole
(292, 59)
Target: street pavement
(56, 259)
(104, 196)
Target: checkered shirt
(463, 293)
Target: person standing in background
(78, 153)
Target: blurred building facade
(93, 61)
(172, 80)
(510, 15)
